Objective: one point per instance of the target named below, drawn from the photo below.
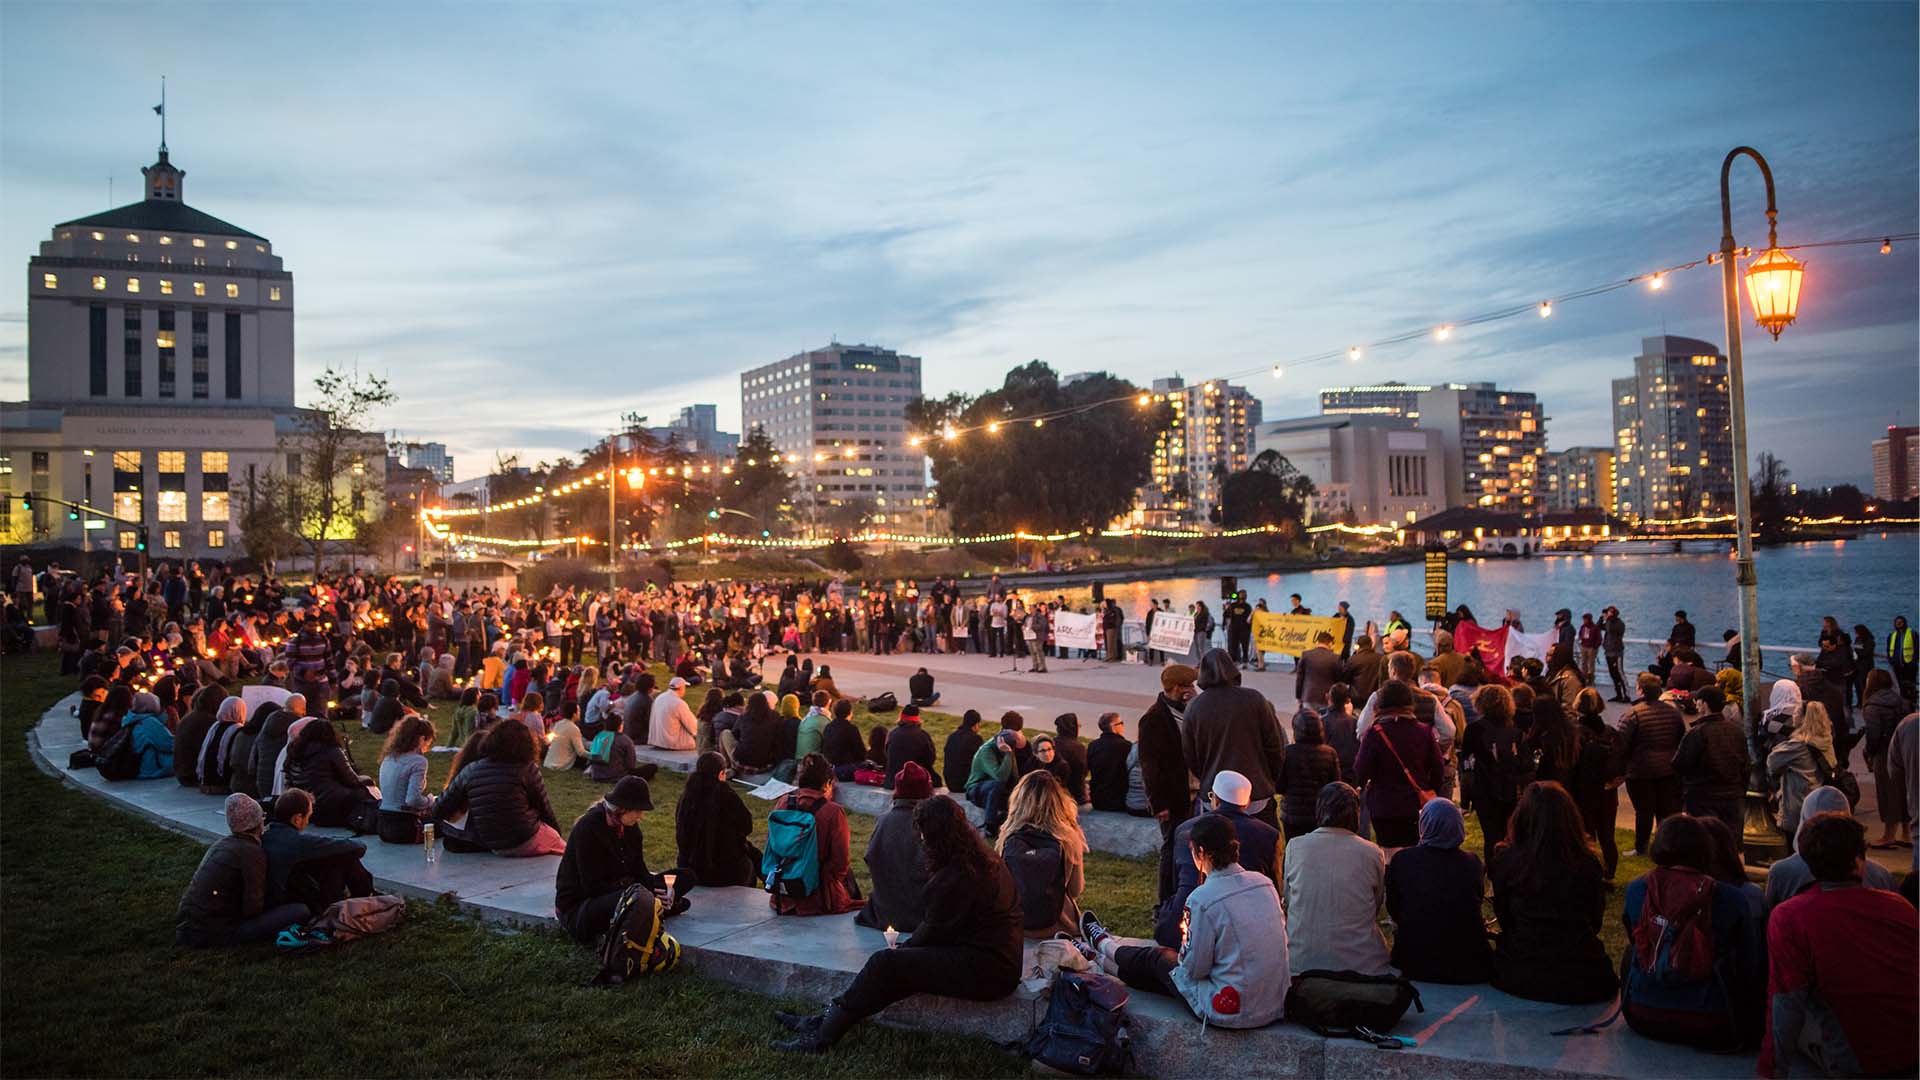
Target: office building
(1577, 478)
(1366, 468)
(1896, 464)
(696, 431)
(1209, 436)
(1672, 433)
(837, 415)
(160, 380)
(431, 456)
(1493, 437)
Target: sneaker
(1636, 853)
(1091, 931)
(1085, 950)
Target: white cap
(1232, 788)
(676, 683)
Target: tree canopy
(1269, 492)
(1073, 470)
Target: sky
(534, 218)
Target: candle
(670, 879)
(893, 937)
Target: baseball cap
(1232, 788)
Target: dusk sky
(536, 217)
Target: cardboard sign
(1073, 631)
(1171, 633)
(1291, 635)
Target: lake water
(1868, 580)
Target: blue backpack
(1085, 1029)
(791, 865)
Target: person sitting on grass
(895, 858)
(908, 743)
(968, 945)
(1335, 880)
(1108, 774)
(1231, 968)
(1434, 893)
(814, 796)
(1551, 904)
(711, 826)
(1046, 852)
(956, 756)
(605, 853)
(226, 902)
(1789, 877)
(1841, 966)
(463, 715)
(532, 716)
(387, 708)
(404, 800)
(566, 748)
(920, 689)
(306, 868)
(808, 738)
(317, 763)
(503, 798)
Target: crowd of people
(1284, 833)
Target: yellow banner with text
(1291, 635)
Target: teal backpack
(600, 750)
(791, 864)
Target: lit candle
(893, 937)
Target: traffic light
(73, 515)
(713, 515)
(140, 542)
(26, 502)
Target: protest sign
(1291, 635)
(1171, 633)
(1072, 631)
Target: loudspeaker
(1099, 592)
(1228, 586)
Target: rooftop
(155, 215)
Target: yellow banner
(1291, 635)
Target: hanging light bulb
(1657, 282)
(1443, 332)
(949, 434)
(1277, 371)
(1886, 247)
(1353, 353)
(993, 427)
(1144, 400)
(1546, 308)
(1040, 423)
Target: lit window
(99, 283)
(164, 339)
(233, 291)
(171, 460)
(126, 461)
(133, 284)
(197, 242)
(199, 288)
(170, 539)
(273, 292)
(166, 240)
(173, 506)
(233, 245)
(99, 236)
(128, 538)
(133, 238)
(261, 248)
(216, 538)
(213, 506)
(51, 281)
(126, 504)
(213, 461)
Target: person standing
(1111, 621)
(1649, 735)
(1345, 615)
(1238, 616)
(1613, 640)
(1903, 656)
(1589, 639)
(1316, 671)
(1399, 759)
(1164, 771)
(1711, 762)
(1038, 628)
(997, 627)
(1230, 726)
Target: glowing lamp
(1773, 287)
(636, 477)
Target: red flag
(1492, 644)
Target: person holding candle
(895, 857)
(605, 854)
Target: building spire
(161, 110)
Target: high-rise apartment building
(1672, 432)
(1493, 437)
(1209, 436)
(1896, 464)
(838, 417)
(1577, 478)
(431, 456)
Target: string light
(1354, 353)
(1886, 247)
(1443, 332)
(1657, 282)
(1546, 308)
(993, 427)
(1278, 371)
(1144, 400)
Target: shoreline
(1119, 575)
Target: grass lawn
(94, 986)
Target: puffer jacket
(1308, 768)
(1881, 713)
(1648, 738)
(505, 803)
(1712, 759)
(268, 745)
(324, 773)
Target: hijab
(232, 710)
(1441, 825)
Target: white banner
(256, 696)
(1534, 645)
(1171, 633)
(1071, 631)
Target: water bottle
(427, 836)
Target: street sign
(94, 523)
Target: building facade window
(273, 293)
(51, 281)
(163, 345)
(97, 350)
(170, 539)
(233, 355)
(216, 538)
(233, 291)
(215, 505)
(166, 286)
(99, 283)
(127, 539)
(133, 284)
(199, 288)
(200, 369)
(130, 332)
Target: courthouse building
(160, 380)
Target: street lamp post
(1773, 286)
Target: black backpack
(1085, 1029)
(118, 760)
(1349, 1005)
(1039, 870)
(884, 702)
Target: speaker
(1228, 586)
(1099, 592)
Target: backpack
(791, 864)
(1085, 1029)
(1039, 870)
(600, 750)
(884, 702)
(1671, 985)
(211, 769)
(1349, 1005)
(361, 916)
(634, 943)
(118, 760)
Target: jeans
(1587, 656)
(1654, 800)
(991, 796)
(1618, 676)
(1038, 650)
(262, 927)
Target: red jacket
(1849, 952)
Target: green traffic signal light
(713, 515)
(73, 515)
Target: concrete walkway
(731, 935)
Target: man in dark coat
(895, 857)
(958, 753)
(1107, 772)
(1163, 763)
(908, 741)
(1070, 756)
(1712, 763)
(1229, 726)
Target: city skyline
(661, 202)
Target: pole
(613, 529)
(1760, 839)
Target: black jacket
(186, 746)
(908, 742)
(601, 857)
(979, 913)
(1163, 762)
(759, 736)
(957, 757)
(505, 803)
(919, 687)
(288, 847)
(1070, 765)
(1434, 895)
(323, 772)
(898, 865)
(1234, 727)
(231, 885)
(710, 827)
(266, 748)
(1107, 773)
(1649, 734)
(1308, 768)
(387, 712)
(841, 742)
(1712, 759)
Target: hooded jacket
(1230, 726)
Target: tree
(1770, 492)
(1270, 491)
(333, 487)
(266, 529)
(761, 487)
(1079, 468)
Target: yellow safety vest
(1900, 645)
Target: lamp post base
(1761, 841)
